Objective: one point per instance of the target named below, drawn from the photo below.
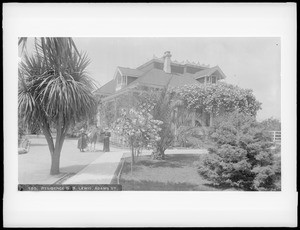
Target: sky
(252, 63)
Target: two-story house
(159, 73)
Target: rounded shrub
(242, 156)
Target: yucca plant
(55, 91)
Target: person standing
(82, 141)
(106, 140)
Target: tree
(241, 156)
(163, 110)
(271, 124)
(218, 98)
(138, 128)
(55, 90)
(161, 105)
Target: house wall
(177, 69)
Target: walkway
(100, 171)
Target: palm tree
(55, 90)
(163, 110)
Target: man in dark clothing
(106, 140)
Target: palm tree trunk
(162, 153)
(48, 137)
(55, 160)
(55, 157)
(60, 137)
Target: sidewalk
(100, 171)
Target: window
(213, 79)
(207, 79)
(119, 79)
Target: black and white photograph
(124, 111)
(101, 115)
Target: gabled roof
(155, 77)
(159, 78)
(180, 80)
(107, 89)
(208, 72)
(130, 72)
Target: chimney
(167, 61)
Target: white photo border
(150, 209)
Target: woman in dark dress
(82, 141)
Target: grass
(176, 173)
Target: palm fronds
(54, 81)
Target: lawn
(176, 173)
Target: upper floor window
(207, 79)
(121, 80)
(213, 79)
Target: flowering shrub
(156, 104)
(217, 98)
(138, 127)
(242, 156)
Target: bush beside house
(242, 156)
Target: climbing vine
(218, 98)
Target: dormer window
(213, 79)
(121, 82)
(207, 80)
(119, 79)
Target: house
(159, 73)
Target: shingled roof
(159, 78)
(180, 80)
(154, 77)
(130, 72)
(107, 89)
